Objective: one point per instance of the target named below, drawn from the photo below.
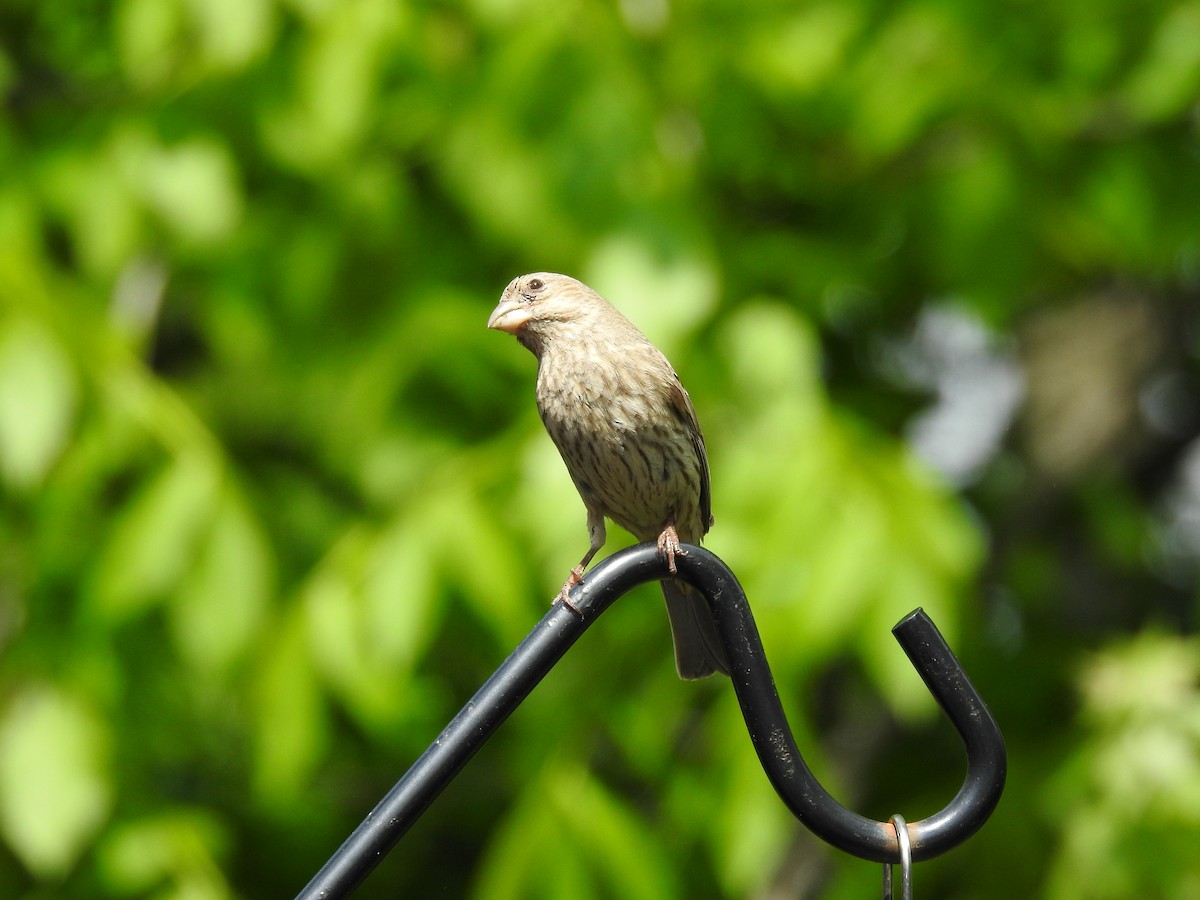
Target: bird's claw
(576, 577)
(669, 546)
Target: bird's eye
(535, 284)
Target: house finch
(628, 433)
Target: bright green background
(276, 502)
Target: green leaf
(98, 207)
(622, 852)
(55, 790)
(233, 33)
(179, 848)
(600, 847)
(672, 296)
(192, 185)
(400, 594)
(222, 601)
(802, 53)
(290, 734)
(147, 33)
(39, 396)
(334, 83)
(1168, 78)
(476, 554)
(358, 627)
(155, 540)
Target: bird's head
(537, 307)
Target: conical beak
(509, 316)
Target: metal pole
(761, 709)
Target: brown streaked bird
(628, 433)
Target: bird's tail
(698, 648)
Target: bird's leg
(573, 579)
(596, 536)
(668, 546)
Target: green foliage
(1133, 788)
(56, 786)
(275, 502)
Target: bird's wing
(681, 406)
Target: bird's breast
(627, 457)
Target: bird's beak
(509, 315)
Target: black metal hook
(765, 720)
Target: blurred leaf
(400, 594)
(154, 542)
(1133, 788)
(680, 293)
(148, 35)
(568, 832)
(39, 396)
(179, 849)
(508, 196)
(342, 639)
(334, 84)
(621, 852)
(290, 731)
(755, 828)
(55, 791)
(234, 33)
(476, 554)
(1118, 200)
(918, 49)
(99, 208)
(803, 52)
(191, 186)
(222, 601)
(1168, 78)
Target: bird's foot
(668, 546)
(564, 595)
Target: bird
(628, 433)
